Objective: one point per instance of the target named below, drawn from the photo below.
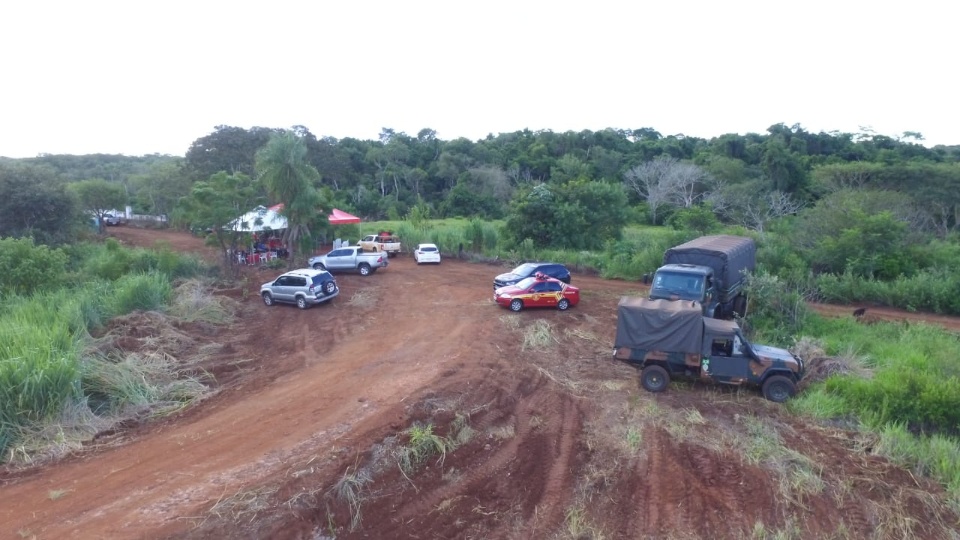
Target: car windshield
(524, 269)
(525, 283)
(685, 286)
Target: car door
(541, 295)
(339, 259)
(298, 284)
(281, 289)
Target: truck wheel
(267, 298)
(318, 266)
(778, 388)
(364, 269)
(563, 304)
(516, 304)
(302, 303)
(654, 378)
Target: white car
(426, 253)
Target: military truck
(669, 338)
(711, 271)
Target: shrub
(26, 268)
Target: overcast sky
(144, 77)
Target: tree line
(571, 189)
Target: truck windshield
(683, 286)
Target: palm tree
(289, 178)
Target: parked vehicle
(305, 287)
(110, 218)
(667, 338)
(384, 241)
(350, 258)
(426, 253)
(710, 270)
(539, 290)
(525, 270)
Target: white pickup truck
(381, 242)
(350, 258)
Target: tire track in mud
(539, 413)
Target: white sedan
(426, 253)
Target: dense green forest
(836, 213)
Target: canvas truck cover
(659, 325)
(727, 255)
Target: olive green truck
(671, 338)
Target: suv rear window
(318, 279)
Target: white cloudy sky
(145, 76)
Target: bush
(26, 268)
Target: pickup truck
(351, 258)
(381, 242)
(670, 338)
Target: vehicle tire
(778, 388)
(563, 304)
(302, 302)
(329, 287)
(516, 304)
(318, 266)
(654, 378)
(364, 269)
(267, 298)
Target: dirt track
(308, 398)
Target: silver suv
(304, 287)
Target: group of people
(270, 246)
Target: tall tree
(216, 203)
(289, 179)
(33, 203)
(98, 197)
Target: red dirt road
(561, 441)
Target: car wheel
(364, 269)
(267, 298)
(318, 266)
(302, 302)
(329, 287)
(516, 304)
(654, 378)
(563, 304)
(778, 388)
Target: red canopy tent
(339, 217)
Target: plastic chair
(263, 256)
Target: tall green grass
(43, 335)
(912, 399)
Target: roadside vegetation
(62, 379)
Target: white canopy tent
(260, 219)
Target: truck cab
(687, 282)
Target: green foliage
(422, 445)
(26, 268)
(579, 214)
(42, 335)
(289, 178)
(98, 196)
(775, 308)
(923, 400)
(34, 204)
(936, 290)
(144, 292)
(699, 219)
